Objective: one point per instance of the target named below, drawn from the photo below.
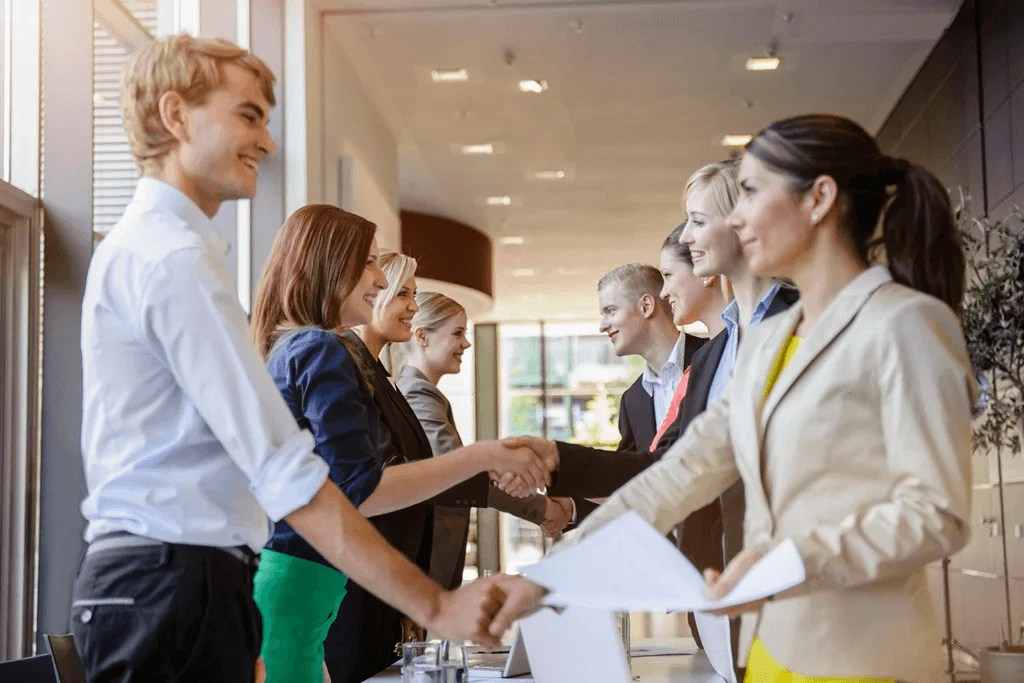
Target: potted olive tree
(993, 320)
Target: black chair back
(29, 670)
(65, 659)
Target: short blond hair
(184, 64)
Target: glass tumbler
(434, 662)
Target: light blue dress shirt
(185, 436)
(662, 386)
(731, 317)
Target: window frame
(20, 416)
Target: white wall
(354, 128)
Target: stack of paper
(628, 566)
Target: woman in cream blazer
(860, 451)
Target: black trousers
(166, 613)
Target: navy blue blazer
(318, 376)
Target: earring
(814, 216)
(709, 281)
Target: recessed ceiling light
(549, 175)
(763, 63)
(504, 200)
(510, 240)
(449, 75)
(533, 86)
(735, 140)
(485, 148)
(522, 272)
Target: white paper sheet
(627, 565)
(717, 641)
(579, 644)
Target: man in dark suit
(638, 322)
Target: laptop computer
(499, 665)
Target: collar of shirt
(151, 193)
(650, 380)
(731, 314)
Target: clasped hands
(522, 484)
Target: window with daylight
(121, 28)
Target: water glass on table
(434, 662)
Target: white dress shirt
(185, 437)
(662, 386)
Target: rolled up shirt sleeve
(206, 346)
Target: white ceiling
(640, 94)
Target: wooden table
(669, 669)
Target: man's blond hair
(190, 66)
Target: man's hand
(519, 461)
(468, 613)
(545, 449)
(557, 516)
(719, 585)
(523, 598)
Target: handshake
(523, 464)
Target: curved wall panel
(454, 258)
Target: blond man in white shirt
(188, 446)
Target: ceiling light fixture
(549, 175)
(763, 63)
(504, 200)
(735, 140)
(522, 272)
(512, 241)
(533, 86)
(770, 61)
(485, 148)
(449, 75)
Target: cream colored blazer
(860, 455)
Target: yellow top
(761, 666)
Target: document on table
(716, 638)
(628, 565)
(578, 644)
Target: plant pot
(1002, 665)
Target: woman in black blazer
(364, 637)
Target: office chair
(37, 669)
(66, 662)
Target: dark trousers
(163, 613)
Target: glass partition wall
(563, 381)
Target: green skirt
(299, 601)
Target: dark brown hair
(676, 248)
(919, 240)
(317, 259)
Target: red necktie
(673, 409)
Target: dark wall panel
(963, 118)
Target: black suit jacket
(361, 642)
(594, 473)
(638, 427)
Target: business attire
(860, 455)
(325, 384)
(361, 641)
(451, 524)
(188, 447)
(640, 417)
